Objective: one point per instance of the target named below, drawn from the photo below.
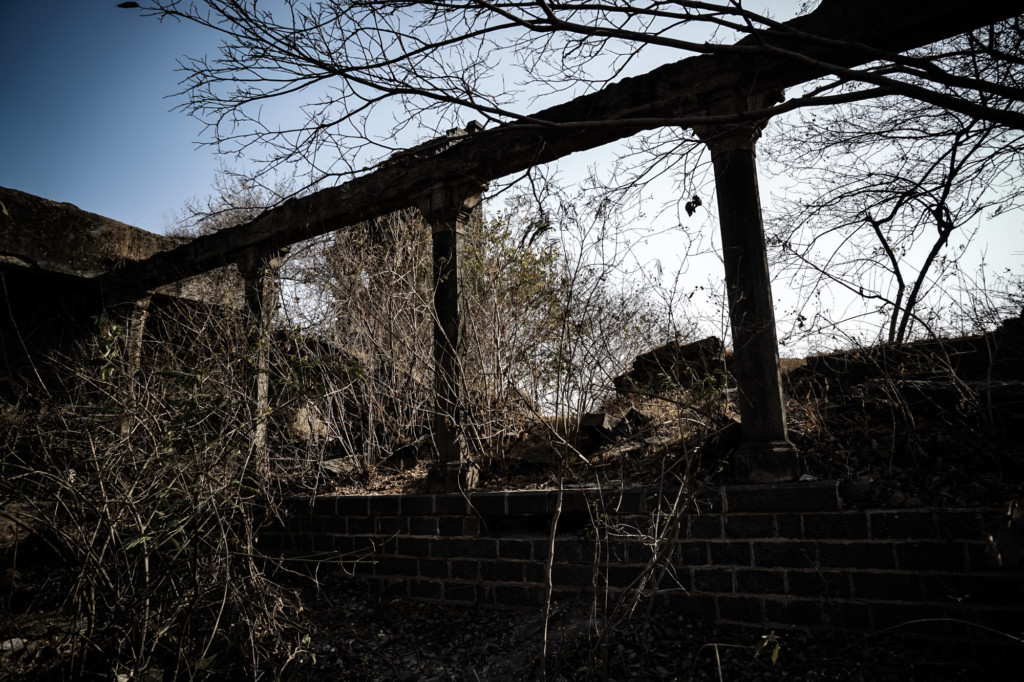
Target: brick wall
(784, 554)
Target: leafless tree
(888, 194)
(364, 79)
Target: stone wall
(775, 555)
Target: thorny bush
(135, 463)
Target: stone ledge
(799, 496)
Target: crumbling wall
(60, 237)
(53, 237)
(51, 254)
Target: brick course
(781, 554)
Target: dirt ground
(354, 634)
(360, 636)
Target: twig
(549, 586)
(928, 620)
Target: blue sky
(85, 116)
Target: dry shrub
(548, 322)
(141, 475)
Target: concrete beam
(802, 49)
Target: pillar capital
(724, 137)
(445, 204)
(453, 199)
(253, 261)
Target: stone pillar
(136, 328)
(259, 274)
(447, 210)
(135, 315)
(766, 454)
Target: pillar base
(453, 477)
(774, 461)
